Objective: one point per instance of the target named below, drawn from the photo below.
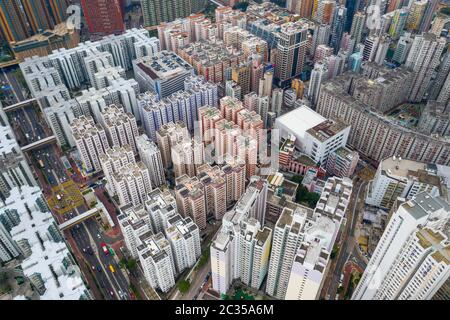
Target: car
(90, 252)
(93, 268)
(99, 269)
(111, 293)
(84, 250)
(98, 235)
(105, 249)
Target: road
(7, 77)
(28, 124)
(112, 285)
(348, 242)
(197, 278)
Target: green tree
(241, 6)
(131, 264)
(445, 10)
(334, 252)
(184, 286)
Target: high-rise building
(14, 168)
(325, 11)
(435, 119)
(374, 135)
(121, 127)
(337, 27)
(157, 11)
(439, 23)
(160, 206)
(398, 23)
(322, 51)
(352, 7)
(383, 47)
(240, 250)
(181, 106)
(151, 216)
(163, 73)
(428, 15)
(299, 87)
(157, 260)
(411, 259)
(402, 49)
(308, 271)
(132, 183)
(91, 141)
(397, 177)
(186, 156)
(241, 75)
(318, 75)
(277, 101)
(8, 248)
(342, 162)
(287, 236)
(441, 85)
(184, 238)
(423, 59)
(168, 136)
(358, 25)
(321, 36)
(151, 156)
(416, 14)
(13, 21)
(191, 200)
(103, 17)
(113, 161)
(47, 262)
(210, 59)
(370, 48)
(38, 15)
(292, 45)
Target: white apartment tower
(155, 255)
(396, 177)
(420, 269)
(113, 161)
(151, 157)
(91, 141)
(424, 57)
(393, 271)
(287, 237)
(308, 271)
(184, 238)
(132, 183)
(121, 127)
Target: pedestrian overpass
(19, 105)
(87, 215)
(40, 143)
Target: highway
(28, 124)
(53, 171)
(89, 239)
(16, 94)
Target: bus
(112, 268)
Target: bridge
(86, 215)
(19, 105)
(217, 3)
(9, 63)
(40, 143)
